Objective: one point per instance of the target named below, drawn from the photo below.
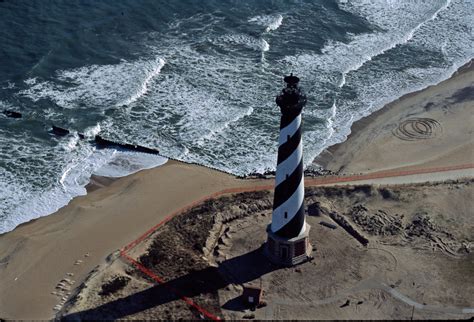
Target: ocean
(197, 80)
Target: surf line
(155, 70)
(405, 38)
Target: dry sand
(419, 253)
(37, 256)
(42, 261)
(429, 128)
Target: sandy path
(417, 175)
(374, 284)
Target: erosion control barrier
(101, 142)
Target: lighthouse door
(284, 251)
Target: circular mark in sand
(418, 129)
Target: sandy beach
(37, 255)
(429, 128)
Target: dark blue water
(197, 80)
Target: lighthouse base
(288, 252)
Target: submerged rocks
(12, 114)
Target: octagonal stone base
(288, 252)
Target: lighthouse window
(287, 176)
(286, 214)
(288, 137)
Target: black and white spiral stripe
(288, 207)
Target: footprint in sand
(80, 261)
(63, 288)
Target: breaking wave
(101, 86)
(270, 22)
(247, 41)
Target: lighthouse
(288, 233)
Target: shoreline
(326, 157)
(322, 160)
(39, 254)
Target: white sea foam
(145, 84)
(22, 200)
(358, 65)
(363, 48)
(200, 106)
(265, 45)
(30, 81)
(275, 24)
(248, 41)
(123, 163)
(101, 86)
(331, 119)
(211, 136)
(270, 22)
(9, 85)
(71, 142)
(40, 176)
(92, 131)
(203, 139)
(4, 105)
(194, 115)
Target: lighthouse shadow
(244, 269)
(238, 270)
(247, 267)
